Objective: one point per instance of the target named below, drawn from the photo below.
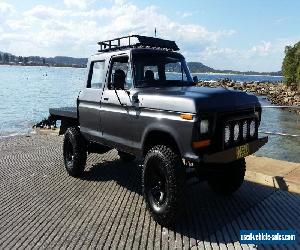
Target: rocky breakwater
(276, 93)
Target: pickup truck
(140, 98)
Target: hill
(58, 61)
(65, 61)
(197, 67)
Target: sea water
(26, 93)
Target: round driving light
(245, 129)
(236, 132)
(252, 128)
(227, 134)
(204, 125)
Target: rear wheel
(230, 180)
(74, 152)
(163, 184)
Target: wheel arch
(159, 137)
(67, 123)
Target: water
(26, 93)
(282, 121)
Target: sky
(223, 34)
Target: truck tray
(63, 112)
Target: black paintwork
(126, 120)
(70, 112)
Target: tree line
(291, 65)
(6, 58)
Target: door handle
(105, 98)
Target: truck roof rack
(137, 41)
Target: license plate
(242, 151)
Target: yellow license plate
(242, 151)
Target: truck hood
(195, 99)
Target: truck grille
(224, 125)
(239, 131)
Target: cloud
(252, 58)
(5, 8)
(74, 29)
(187, 14)
(45, 12)
(75, 32)
(262, 49)
(282, 19)
(80, 4)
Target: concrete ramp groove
(42, 207)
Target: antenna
(155, 32)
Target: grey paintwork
(102, 119)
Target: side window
(151, 72)
(121, 63)
(97, 75)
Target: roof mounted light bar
(137, 41)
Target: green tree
(12, 58)
(291, 65)
(6, 58)
(1, 58)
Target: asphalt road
(42, 207)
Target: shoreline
(276, 93)
(233, 74)
(46, 66)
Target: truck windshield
(160, 71)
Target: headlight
(236, 132)
(245, 129)
(257, 114)
(227, 134)
(204, 126)
(252, 128)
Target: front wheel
(229, 179)
(74, 152)
(163, 184)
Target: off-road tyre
(74, 152)
(230, 180)
(125, 157)
(162, 163)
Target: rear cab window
(96, 75)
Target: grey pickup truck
(140, 98)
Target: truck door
(89, 101)
(116, 124)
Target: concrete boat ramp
(42, 207)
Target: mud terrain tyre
(163, 183)
(125, 157)
(74, 152)
(229, 180)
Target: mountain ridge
(67, 61)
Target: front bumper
(235, 153)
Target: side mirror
(195, 79)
